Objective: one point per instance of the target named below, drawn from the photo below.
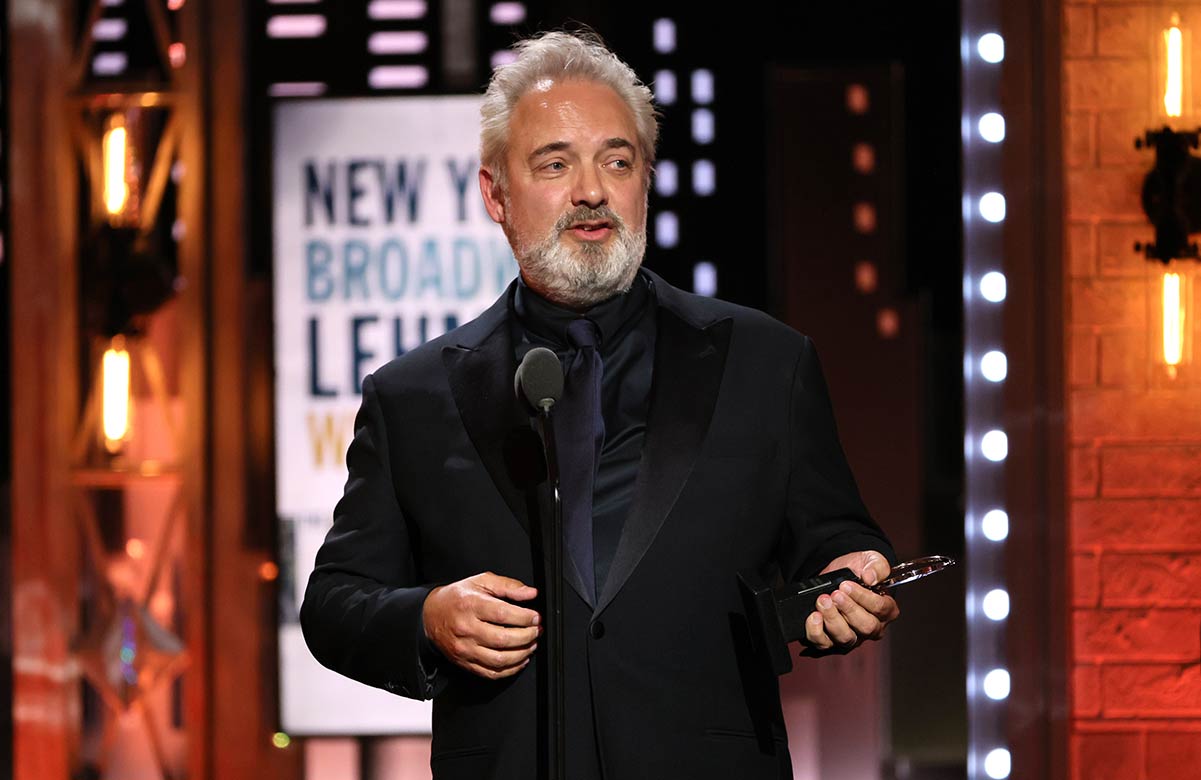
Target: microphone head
(539, 379)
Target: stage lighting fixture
(995, 525)
(994, 445)
(1171, 198)
(995, 604)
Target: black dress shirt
(627, 348)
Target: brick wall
(1135, 435)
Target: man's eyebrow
(559, 146)
(619, 143)
(553, 146)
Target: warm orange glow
(115, 394)
(268, 571)
(115, 151)
(1173, 91)
(135, 548)
(1173, 321)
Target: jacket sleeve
(361, 614)
(826, 517)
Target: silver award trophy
(777, 614)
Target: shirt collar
(547, 322)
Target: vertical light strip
(1173, 92)
(1173, 320)
(986, 443)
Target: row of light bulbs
(993, 366)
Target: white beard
(582, 275)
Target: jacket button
(597, 630)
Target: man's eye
(622, 164)
(555, 166)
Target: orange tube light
(1173, 322)
(115, 394)
(115, 152)
(1173, 93)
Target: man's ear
(493, 201)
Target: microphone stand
(556, 678)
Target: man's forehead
(554, 110)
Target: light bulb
(995, 604)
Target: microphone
(539, 379)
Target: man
(707, 446)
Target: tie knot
(583, 333)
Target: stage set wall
(1133, 434)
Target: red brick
(1112, 193)
(1078, 138)
(1111, 756)
(1172, 756)
(1151, 690)
(1107, 84)
(1108, 302)
(1145, 472)
(1086, 580)
(1086, 691)
(1084, 471)
(1124, 415)
(1151, 579)
(1116, 131)
(1124, 360)
(1123, 31)
(1082, 358)
(1082, 251)
(1159, 522)
(1079, 31)
(1137, 635)
(1115, 248)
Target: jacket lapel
(488, 407)
(689, 360)
(480, 372)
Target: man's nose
(589, 189)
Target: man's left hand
(852, 614)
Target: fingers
(474, 628)
(505, 587)
(502, 613)
(502, 660)
(494, 662)
(499, 638)
(874, 568)
(494, 674)
(827, 628)
(861, 621)
(848, 616)
(881, 607)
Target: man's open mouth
(590, 227)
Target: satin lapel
(689, 362)
(481, 381)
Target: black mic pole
(554, 602)
(539, 382)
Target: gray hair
(556, 56)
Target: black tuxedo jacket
(741, 468)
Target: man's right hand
(471, 624)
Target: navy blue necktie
(579, 434)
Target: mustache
(589, 214)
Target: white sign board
(381, 243)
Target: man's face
(574, 207)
